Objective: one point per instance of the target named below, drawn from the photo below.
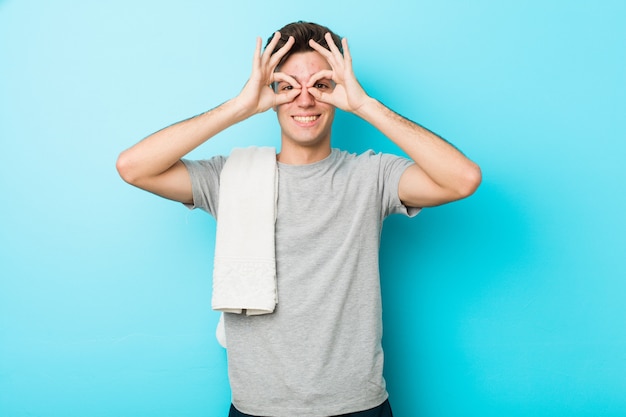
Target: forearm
(439, 159)
(160, 151)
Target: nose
(305, 99)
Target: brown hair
(302, 33)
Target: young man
(319, 353)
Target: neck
(302, 155)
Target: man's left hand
(347, 94)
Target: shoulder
(343, 156)
(199, 166)
(370, 159)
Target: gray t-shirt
(320, 352)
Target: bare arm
(154, 163)
(441, 173)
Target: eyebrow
(296, 78)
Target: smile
(305, 119)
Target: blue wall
(510, 303)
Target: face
(305, 121)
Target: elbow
(125, 169)
(472, 178)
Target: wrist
(368, 108)
(240, 109)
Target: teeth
(305, 119)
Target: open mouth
(306, 119)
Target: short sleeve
(391, 169)
(205, 182)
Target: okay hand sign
(347, 94)
(257, 95)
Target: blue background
(509, 303)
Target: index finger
(278, 77)
(322, 75)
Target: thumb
(320, 95)
(287, 97)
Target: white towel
(244, 269)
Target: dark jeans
(383, 410)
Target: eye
(284, 87)
(321, 86)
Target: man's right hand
(154, 163)
(258, 96)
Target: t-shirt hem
(354, 407)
